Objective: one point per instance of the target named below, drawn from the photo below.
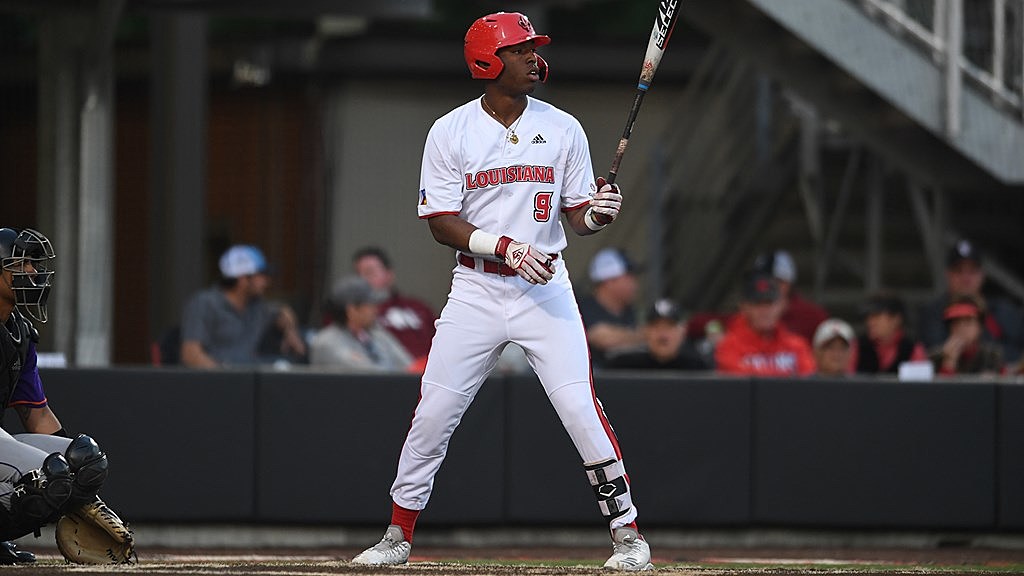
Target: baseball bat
(668, 13)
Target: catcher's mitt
(93, 534)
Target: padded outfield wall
(702, 451)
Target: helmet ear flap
(542, 66)
(488, 67)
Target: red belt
(490, 266)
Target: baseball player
(43, 474)
(497, 173)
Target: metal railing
(986, 37)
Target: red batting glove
(529, 263)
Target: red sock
(404, 519)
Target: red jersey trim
(428, 216)
(576, 207)
(40, 404)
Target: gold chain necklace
(512, 137)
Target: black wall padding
(864, 453)
(180, 444)
(308, 447)
(1010, 464)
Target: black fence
(298, 447)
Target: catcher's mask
(29, 257)
(495, 31)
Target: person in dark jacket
(885, 345)
(665, 336)
(964, 351)
(1003, 321)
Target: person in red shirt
(798, 313)
(755, 342)
(886, 345)
(408, 319)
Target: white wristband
(588, 219)
(481, 242)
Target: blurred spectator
(608, 313)
(885, 345)
(408, 319)
(226, 325)
(665, 333)
(713, 330)
(354, 341)
(799, 314)
(833, 344)
(1003, 321)
(964, 352)
(755, 342)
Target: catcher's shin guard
(608, 479)
(39, 496)
(89, 465)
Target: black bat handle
(624, 141)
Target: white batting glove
(529, 263)
(605, 205)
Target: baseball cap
(354, 290)
(610, 263)
(832, 328)
(242, 260)
(760, 287)
(964, 307)
(779, 264)
(963, 250)
(664, 309)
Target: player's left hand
(529, 263)
(607, 202)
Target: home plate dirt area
(516, 561)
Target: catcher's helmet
(495, 31)
(31, 286)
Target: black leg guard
(608, 479)
(89, 465)
(40, 496)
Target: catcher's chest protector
(15, 336)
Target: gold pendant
(513, 138)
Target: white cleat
(392, 549)
(629, 552)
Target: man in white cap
(833, 341)
(799, 314)
(225, 325)
(608, 313)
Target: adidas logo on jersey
(538, 139)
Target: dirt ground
(560, 561)
(242, 550)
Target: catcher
(45, 476)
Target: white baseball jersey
(472, 167)
(517, 186)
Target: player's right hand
(606, 203)
(529, 263)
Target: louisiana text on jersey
(508, 174)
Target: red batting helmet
(495, 31)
